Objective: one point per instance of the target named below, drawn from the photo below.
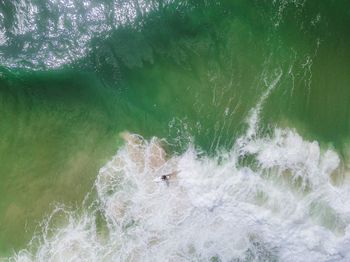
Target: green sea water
(182, 70)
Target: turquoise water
(237, 89)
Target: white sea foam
(280, 206)
(269, 198)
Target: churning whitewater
(225, 124)
(269, 198)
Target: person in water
(165, 178)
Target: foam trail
(253, 119)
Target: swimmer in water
(165, 178)
(168, 177)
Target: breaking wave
(270, 198)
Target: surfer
(165, 178)
(168, 177)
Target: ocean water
(245, 103)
